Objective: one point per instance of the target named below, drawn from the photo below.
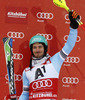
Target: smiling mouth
(38, 52)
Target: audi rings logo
(17, 56)
(72, 60)
(17, 77)
(70, 80)
(15, 34)
(43, 83)
(78, 38)
(42, 15)
(47, 36)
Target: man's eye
(34, 47)
(40, 46)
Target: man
(40, 79)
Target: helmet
(39, 39)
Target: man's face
(38, 50)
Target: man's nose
(37, 49)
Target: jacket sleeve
(25, 93)
(58, 59)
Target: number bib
(43, 82)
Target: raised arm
(58, 59)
